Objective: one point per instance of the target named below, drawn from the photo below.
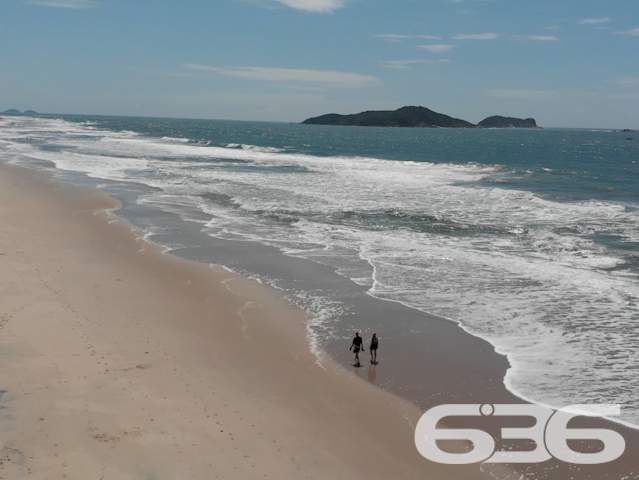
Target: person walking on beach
(356, 346)
(373, 349)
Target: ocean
(528, 239)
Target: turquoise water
(527, 238)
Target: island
(497, 121)
(402, 117)
(13, 111)
(416, 117)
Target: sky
(564, 63)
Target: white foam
(175, 139)
(534, 284)
(255, 148)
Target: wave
(255, 148)
(535, 277)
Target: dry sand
(120, 362)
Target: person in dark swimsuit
(373, 348)
(356, 346)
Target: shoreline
(445, 367)
(498, 361)
(120, 360)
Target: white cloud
(523, 94)
(478, 36)
(397, 38)
(634, 96)
(406, 63)
(437, 48)
(75, 4)
(627, 81)
(594, 21)
(543, 38)
(634, 31)
(322, 6)
(323, 78)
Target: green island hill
(403, 117)
(416, 117)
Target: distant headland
(416, 117)
(13, 111)
(507, 122)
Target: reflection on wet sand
(372, 373)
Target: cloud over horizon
(323, 78)
(319, 6)
(594, 21)
(437, 48)
(627, 81)
(634, 31)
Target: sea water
(526, 238)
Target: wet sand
(120, 362)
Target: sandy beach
(119, 362)
(204, 207)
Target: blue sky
(565, 63)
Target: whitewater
(528, 239)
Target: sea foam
(523, 271)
